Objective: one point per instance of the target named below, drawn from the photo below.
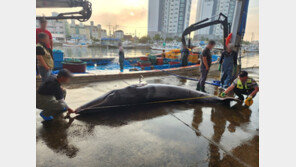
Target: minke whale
(141, 94)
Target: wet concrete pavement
(154, 135)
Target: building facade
(103, 33)
(119, 34)
(57, 28)
(84, 32)
(226, 7)
(208, 9)
(168, 17)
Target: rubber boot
(198, 87)
(203, 89)
(46, 118)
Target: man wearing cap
(228, 61)
(50, 96)
(243, 85)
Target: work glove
(249, 101)
(219, 68)
(222, 94)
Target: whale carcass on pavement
(148, 94)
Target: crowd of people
(242, 85)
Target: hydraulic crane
(237, 28)
(222, 19)
(82, 15)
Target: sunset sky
(132, 15)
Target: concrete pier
(158, 135)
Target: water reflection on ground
(154, 135)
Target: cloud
(126, 16)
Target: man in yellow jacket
(243, 85)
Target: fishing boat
(103, 69)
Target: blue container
(215, 57)
(58, 55)
(165, 66)
(158, 67)
(58, 65)
(175, 65)
(147, 68)
(90, 63)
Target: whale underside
(148, 94)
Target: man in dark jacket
(50, 96)
(184, 55)
(206, 61)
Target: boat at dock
(107, 68)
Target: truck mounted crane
(82, 15)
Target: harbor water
(248, 59)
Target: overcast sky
(131, 15)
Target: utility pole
(114, 29)
(238, 26)
(109, 26)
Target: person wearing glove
(249, 101)
(50, 96)
(223, 94)
(243, 85)
(228, 61)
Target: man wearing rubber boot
(184, 55)
(228, 61)
(50, 96)
(243, 85)
(121, 56)
(206, 61)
